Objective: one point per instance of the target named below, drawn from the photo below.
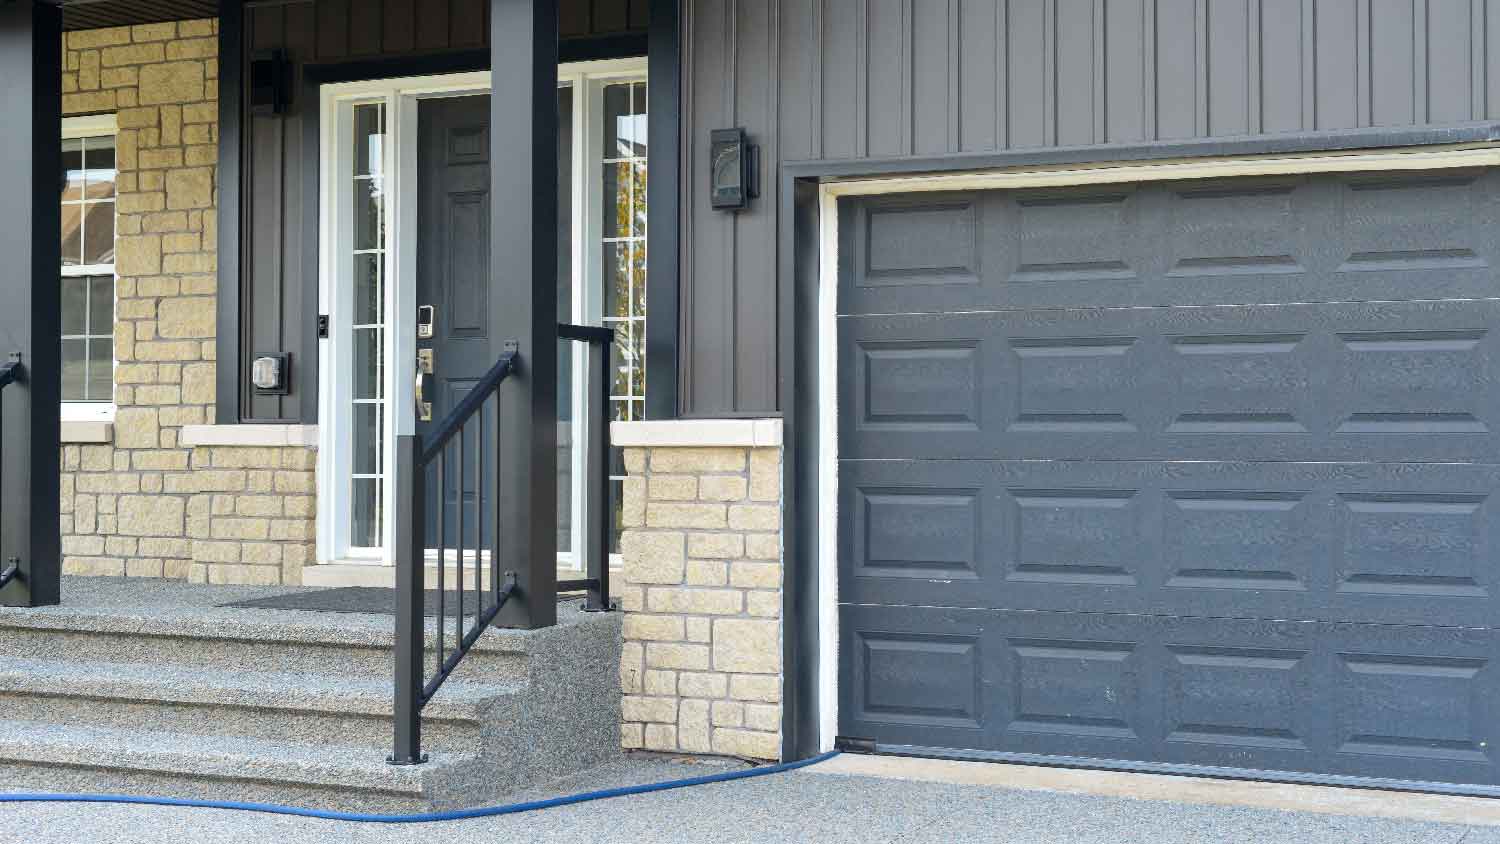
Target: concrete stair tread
(458, 699)
(222, 758)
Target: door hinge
(322, 326)
(849, 744)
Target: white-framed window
(87, 278)
(602, 122)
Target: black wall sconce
(734, 169)
(270, 82)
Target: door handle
(423, 386)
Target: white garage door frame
(1408, 158)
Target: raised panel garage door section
(1196, 475)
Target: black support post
(523, 271)
(30, 322)
(410, 595)
(663, 198)
(596, 480)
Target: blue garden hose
(420, 817)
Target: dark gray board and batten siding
(278, 287)
(832, 80)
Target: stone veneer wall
(701, 667)
(146, 504)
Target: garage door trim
(825, 475)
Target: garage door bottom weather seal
(1180, 769)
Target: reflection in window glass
(87, 281)
(367, 283)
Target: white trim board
(1433, 157)
(701, 433)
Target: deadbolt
(426, 316)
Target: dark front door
(1194, 473)
(453, 247)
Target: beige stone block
(164, 221)
(635, 461)
(143, 567)
(300, 529)
(88, 101)
(765, 474)
(151, 515)
(633, 503)
(749, 645)
(180, 242)
(138, 255)
(298, 553)
(748, 744)
(192, 48)
(692, 726)
(303, 506)
(632, 737)
(755, 687)
(662, 737)
(721, 488)
(632, 660)
(177, 569)
(698, 629)
(198, 383)
(200, 113)
(154, 32)
(219, 480)
(661, 683)
(140, 202)
(84, 39)
(83, 546)
(135, 54)
(197, 28)
(728, 713)
(721, 546)
(159, 461)
(754, 516)
(652, 557)
(263, 480)
(258, 505)
(179, 416)
(85, 515)
(695, 460)
(171, 82)
(157, 158)
(87, 77)
(94, 566)
(171, 350)
(236, 528)
(117, 77)
(188, 317)
(301, 459)
(763, 604)
(150, 482)
(244, 574)
(69, 84)
(706, 573)
(667, 599)
(136, 373)
(700, 684)
(158, 394)
(261, 553)
(745, 575)
(296, 482)
(190, 263)
(662, 710)
(216, 552)
(96, 458)
(108, 483)
(135, 309)
(166, 547)
(661, 628)
(632, 598)
(672, 488)
(120, 546)
(677, 655)
(761, 716)
(666, 514)
(136, 427)
(763, 546)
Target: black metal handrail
(414, 687)
(596, 491)
(10, 372)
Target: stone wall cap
(697, 433)
(249, 435)
(87, 431)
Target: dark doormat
(360, 599)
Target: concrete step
(41, 756)
(246, 640)
(307, 708)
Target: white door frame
(399, 166)
(1434, 157)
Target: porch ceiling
(94, 14)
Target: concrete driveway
(847, 799)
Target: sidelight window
(88, 266)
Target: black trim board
(798, 390)
(664, 198)
(228, 331)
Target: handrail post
(597, 480)
(411, 523)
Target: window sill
(92, 431)
(742, 433)
(250, 435)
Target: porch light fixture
(271, 374)
(270, 82)
(733, 169)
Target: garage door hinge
(848, 744)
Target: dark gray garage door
(1178, 474)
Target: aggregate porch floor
(827, 803)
